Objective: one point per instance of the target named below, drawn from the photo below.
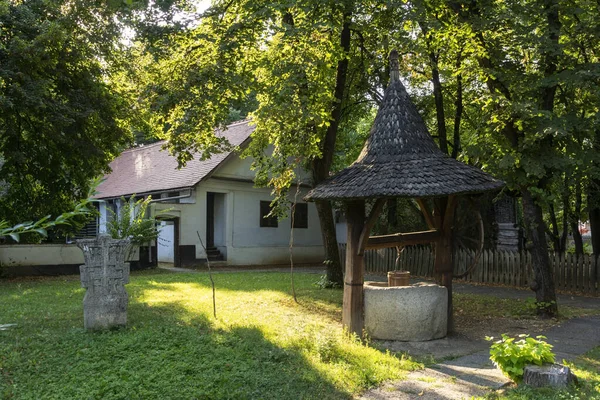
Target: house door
(167, 246)
(210, 220)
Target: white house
(214, 199)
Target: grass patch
(494, 307)
(587, 369)
(263, 344)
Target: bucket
(398, 278)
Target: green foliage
(59, 121)
(325, 283)
(133, 222)
(41, 226)
(512, 356)
(264, 345)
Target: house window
(267, 222)
(301, 215)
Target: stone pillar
(104, 275)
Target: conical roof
(400, 158)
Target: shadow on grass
(157, 357)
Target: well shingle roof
(400, 159)
(151, 169)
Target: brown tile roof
(150, 169)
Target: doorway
(167, 243)
(215, 225)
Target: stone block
(104, 275)
(417, 312)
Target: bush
(512, 356)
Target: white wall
(249, 244)
(43, 254)
(238, 168)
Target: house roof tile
(150, 168)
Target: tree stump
(554, 375)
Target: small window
(267, 222)
(301, 215)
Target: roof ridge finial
(394, 66)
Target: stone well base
(417, 312)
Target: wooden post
(352, 312)
(443, 273)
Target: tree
(526, 58)
(61, 122)
(514, 91)
(307, 65)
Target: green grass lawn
(262, 345)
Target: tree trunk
(543, 284)
(332, 254)
(458, 105)
(322, 166)
(554, 232)
(437, 92)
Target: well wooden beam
(443, 265)
(402, 239)
(352, 310)
(426, 213)
(364, 236)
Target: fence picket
(571, 272)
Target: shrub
(511, 355)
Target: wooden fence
(576, 274)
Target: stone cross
(104, 275)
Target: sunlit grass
(261, 345)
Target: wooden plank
(479, 272)
(594, 270)
(561, 265)
(555, 266)
(420, 260)
(484, 270)
(510, 273)
(432, 265)
(519, 269)
(366, 230)
(426, 213)
(404, 260)
(505, 268)
(555, 271)
(402, 239)
(583, 276)
(562, 277)
(573, 262)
